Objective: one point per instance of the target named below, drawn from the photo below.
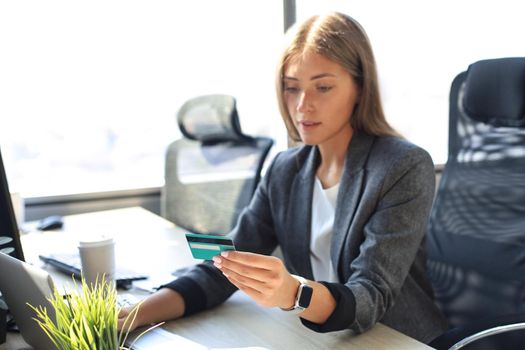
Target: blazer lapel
(300, 215)
(350, 190)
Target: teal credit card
(207, 246)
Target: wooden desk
(145, 241)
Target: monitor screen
(9, 234)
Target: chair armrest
(487, 333)
(459, 337)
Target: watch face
(305, 296)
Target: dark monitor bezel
(7, 213)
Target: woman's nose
(303, 102)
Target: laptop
(22, 283)
(70, 264)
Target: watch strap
(302, 290)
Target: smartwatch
(303, 297)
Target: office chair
(212, 172)
(476, 232)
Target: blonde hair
(341, 39)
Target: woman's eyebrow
(323, 75)
(318, 76)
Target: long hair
(341, 39)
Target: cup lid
(95, 241)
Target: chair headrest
(210, 118)
(494, 91)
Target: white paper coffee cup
(97, 257)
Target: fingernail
(225, 254)
(216, 259)
(217, 265)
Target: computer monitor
(9, 233)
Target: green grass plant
(85, 319)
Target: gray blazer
(377, 248)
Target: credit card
(207, 246)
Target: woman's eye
(291, 89)
(324, 88)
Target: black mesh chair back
(476, 236)
(212, 172)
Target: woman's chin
(309, 139)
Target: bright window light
(89, 90)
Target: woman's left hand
(263, 278)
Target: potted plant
(86, 319)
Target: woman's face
(320, 96)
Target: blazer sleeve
(204, 286)
(393, 236)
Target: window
(420, 46)
(89, 90)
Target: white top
(323, 212)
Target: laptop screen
(9, 233)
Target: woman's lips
(308, 125)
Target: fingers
(268, 282)
(260, 275)
(252, 259)
(263, 297)
(260, 267)
(265, 293)
(123, 313)
(253, 293)
(124, 324)
(265, 271)
(244, 279)
(126, 318)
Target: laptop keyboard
(70, 264)
(126, 299)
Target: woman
(349, 208)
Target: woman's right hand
(163, 305)
(128, 318)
